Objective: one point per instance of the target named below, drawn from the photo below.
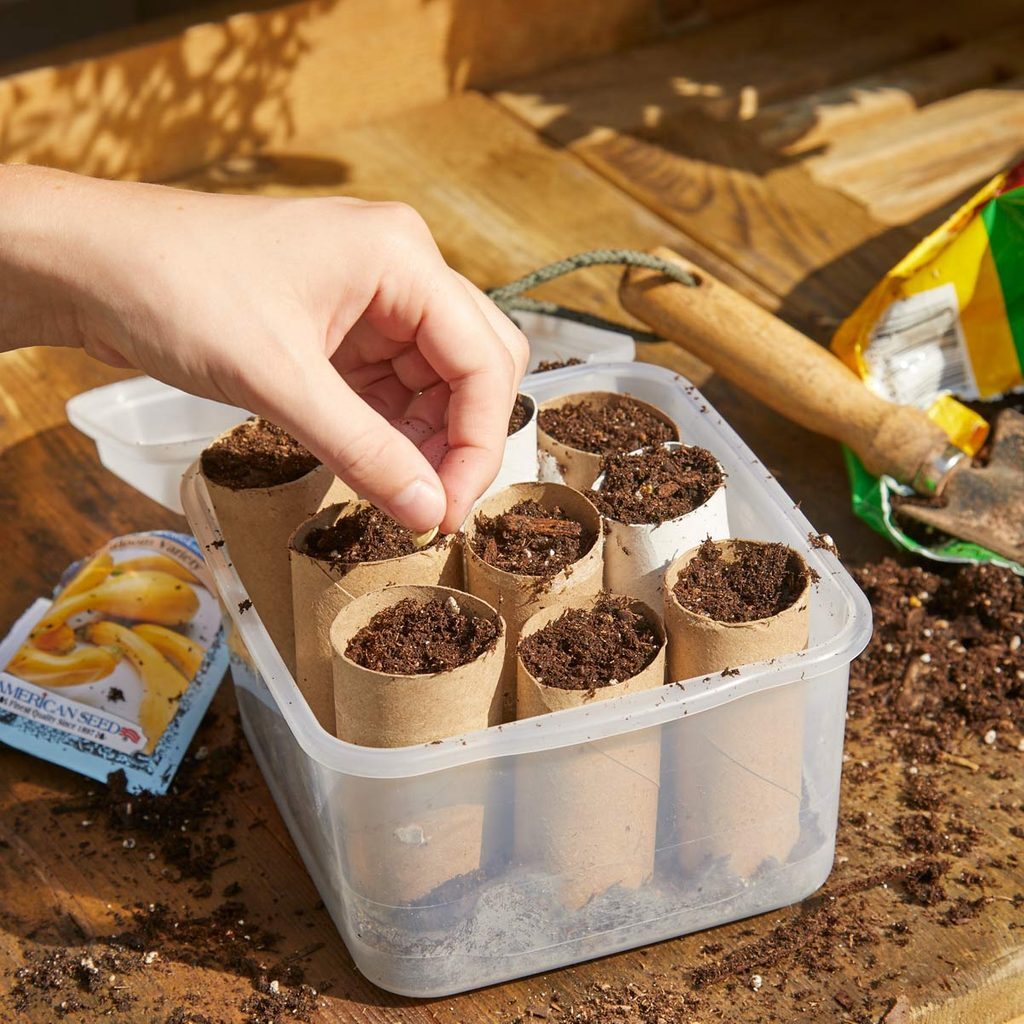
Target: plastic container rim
(80, 411)
(563, 728)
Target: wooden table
(795, 154)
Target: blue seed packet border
(143, 772)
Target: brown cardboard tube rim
(546, 616)
(376, 602)
(546, 495)
(674, 571)
(598, 399)
(331, 515)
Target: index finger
(461, 345)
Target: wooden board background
(796, 156)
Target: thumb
(376, 460)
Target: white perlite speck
(756, 982)
(411, 835)
(990, 737)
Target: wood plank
(162, 108)
(902, 169)
(729, 71)
(808, 244)
(813, 121)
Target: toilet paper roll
(561, 463)
(587, 815)
(636, 555)
(420, 845)
(321, 588)
(741, 803)
(256, 523)
(518, 596)
(520, 462)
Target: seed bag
(946, 323)
(115, 672)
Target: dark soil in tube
(415, 639)
(587, 649)
(763, 580)
(256, 453)
(520, 414)
(366, 535)
(531, 540)
(620, 426)
(657, 484)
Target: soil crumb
(414, 639)
(521, 413)
(546, 365)
(619, 425)
(657, 484)
(946, 659)
(256, 453)
(762, 580)
(530, 540)
(588, 649)
(367, 535)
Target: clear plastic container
(148, 433)
(345, 805)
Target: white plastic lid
(147, 433)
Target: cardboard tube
(587, 815)
(519, 463)
(738, 797)
(257, 522)
(636, 555)
(517, 596)
(405, 848)
(320, 589)
(560, 463)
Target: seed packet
(945, 326)
(115, 671)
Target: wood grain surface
(665, 145)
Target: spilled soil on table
(931, 834)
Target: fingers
(455, 337)
(366, 451)
(511, 337)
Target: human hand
(335, 318)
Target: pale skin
(335, 318)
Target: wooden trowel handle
(784, 369)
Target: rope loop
(509, 297)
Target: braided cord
(510, 298)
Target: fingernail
(420, 506)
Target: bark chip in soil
(256, 453)
(530, 540)
(762, 580)
(414, 639)
(657, 484)
(585, 649)
(366, 535)
(621, 425)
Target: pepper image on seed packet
(945, 326)
(116, 671)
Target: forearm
(36, 293)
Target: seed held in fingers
(421, 540)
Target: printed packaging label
(117, 670)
